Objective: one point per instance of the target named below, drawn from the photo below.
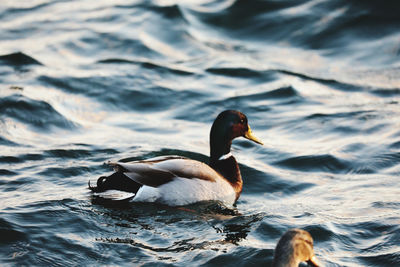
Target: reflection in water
(229, 226)
(237, 231)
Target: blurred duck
(295, 246)
(176, 180)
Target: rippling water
(83, 82)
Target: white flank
(183, 191)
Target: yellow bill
(314, 262)
(249, 135)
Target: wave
(323, 163)
(122, 95)
(19, 59)
(160, 68)
(38, 114)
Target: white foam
(115, 194)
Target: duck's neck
(229, 169)
(223, 162)
(219, 149)
(286, 261)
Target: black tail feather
(117, 181)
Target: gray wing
(161, 170)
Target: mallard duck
(295, 246)
(176, 180)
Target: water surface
(82, 83)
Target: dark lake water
(84, 82)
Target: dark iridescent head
(229, 125)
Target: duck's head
(229, 125)
(295, 246)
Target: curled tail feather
(116, 181)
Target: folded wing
(161, 170)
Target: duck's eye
(241, 121)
